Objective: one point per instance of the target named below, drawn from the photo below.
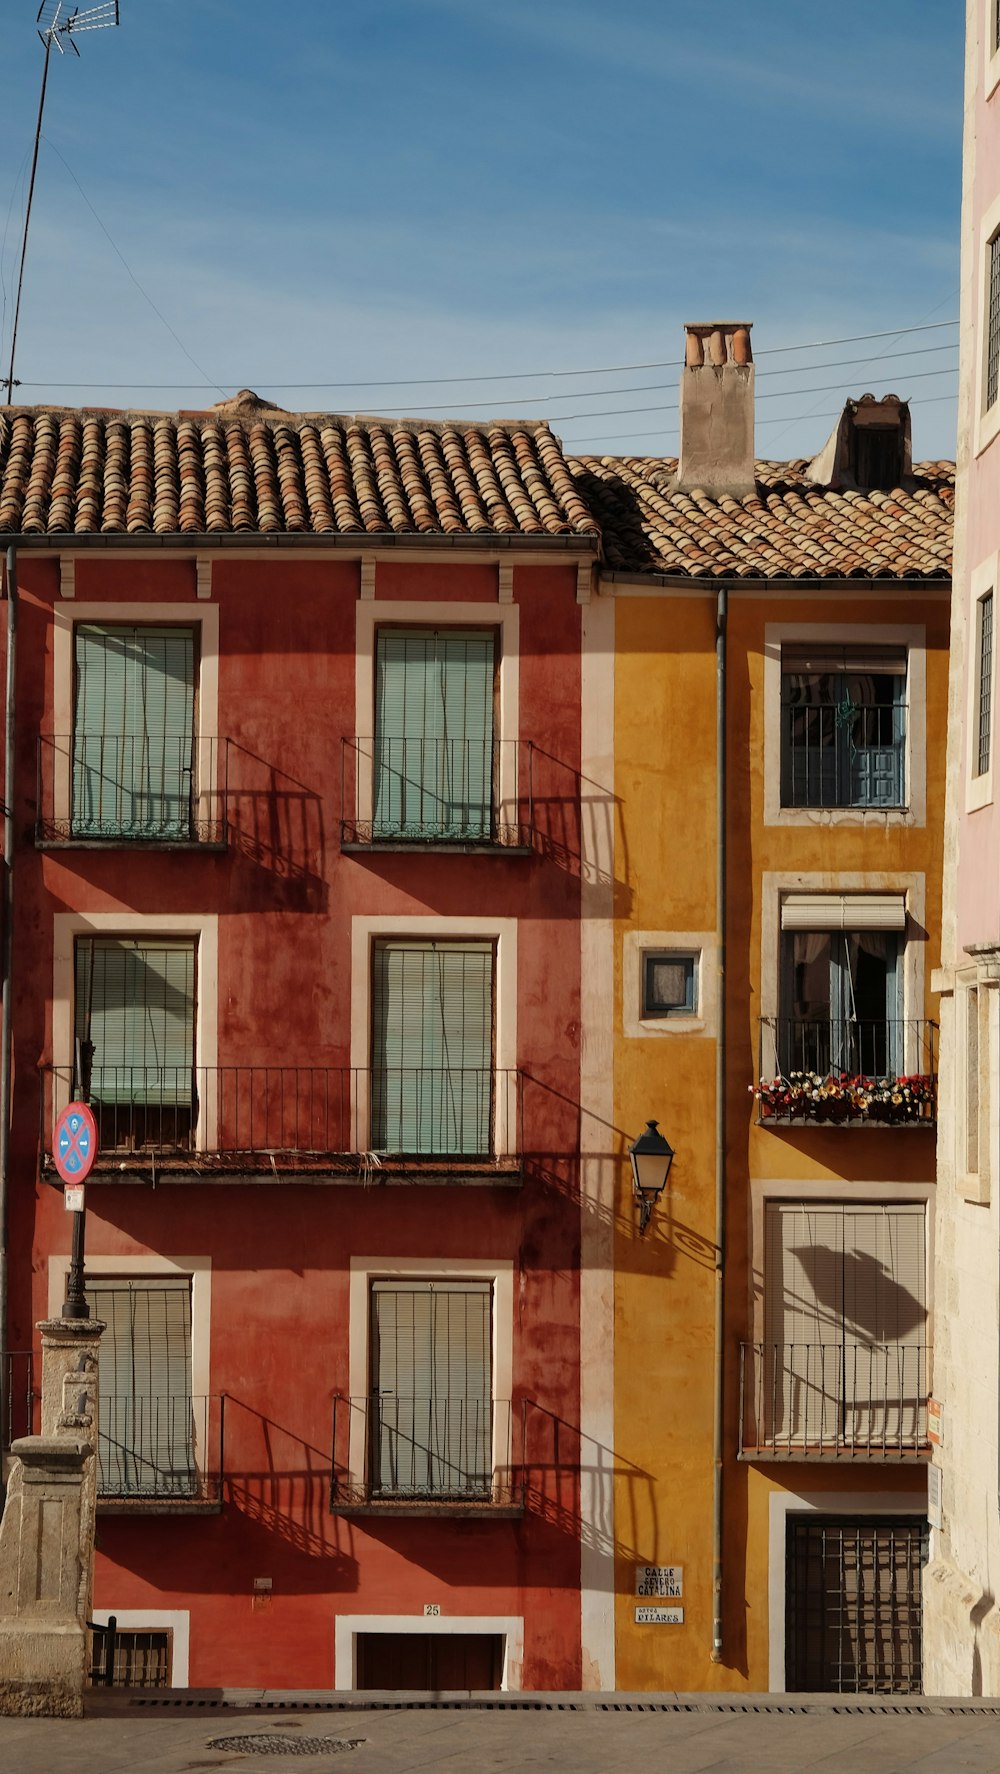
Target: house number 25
(432, 1610)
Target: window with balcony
(134, 1028)
(432, 1078)
(433, 755)
(844, 1364)
(431, 1428)
(843, 726)
(133, 744)
(147, 1416)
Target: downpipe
(718, 1419)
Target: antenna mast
(60, 29)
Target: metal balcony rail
(447, 791)
(436, 1448)
(16, 1416)
(155, 1446)
(841, 1070)
(151, 788)
(843, 754)
(233, 1113)
(801, 1400)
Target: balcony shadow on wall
(576, 824)
(275, 823)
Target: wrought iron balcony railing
(151, 789)
(230, 1116)
(467, 792)
(836, 1071)
(843, 754)
(805, 1400)
(156, 1448)
(17, 1408)
(445, 1449)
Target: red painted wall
(280, 1253)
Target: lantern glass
(651, 1157)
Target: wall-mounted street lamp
(651, 1157)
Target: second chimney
(717, 449)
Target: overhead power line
(572, 445)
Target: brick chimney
(717, 452)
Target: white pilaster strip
(597, 1162)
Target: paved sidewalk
(178, 1732)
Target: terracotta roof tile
(789, 527)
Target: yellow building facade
(770, 1499)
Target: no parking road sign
(75, 1145)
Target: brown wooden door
(430, 1661)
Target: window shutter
(432, 1038)
(135, 1002)
(433, 733)
(432, 1385)
(133, 732)
(843, 911)
(144, 1383)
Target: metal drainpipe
(8, 950)
(720, 1122)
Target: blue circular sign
(75, 1145)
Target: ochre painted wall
(665, 780)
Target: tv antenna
(58, 26)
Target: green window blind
(145, 1439)
(135, 1004)
(133, 732)
(432, 1047)
(431, 1348)
(433, 775)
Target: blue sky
(328, 195)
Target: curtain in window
(145, 1432)
(433, 734)
(845, 1322)
(135, 1004)
(842, 1002)
(432, 1048)
(432, 1387)
(133, 732)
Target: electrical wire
(572, 445)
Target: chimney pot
(717, 409)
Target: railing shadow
(276, 823)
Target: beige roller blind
(836, 1272)
(843, 911)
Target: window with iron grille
(145, 1445)
(434, 733)
(993, 321)
(133, 732)
(853, 1611)
(984, 681)
(128, 1657)
(134, 1026)
(843, 726)
(431, 1424)
(432, 1048)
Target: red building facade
(297, 901)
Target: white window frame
(365, 932)
(984, 578)
(69, 615)
(203, 929)
(702, 944)
(498, 1272)
(508, 1626)
(505, 618)
(175, 1620)
(912, 636)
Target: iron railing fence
(441, 1448)
(800, 1400)
(17, 1375)
(842, 1070)
(448, 791)
(232, 1113)
(157, 1446)
(152, 788)
(843, 754)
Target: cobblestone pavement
(587, 1734)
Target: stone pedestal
(47, 1534)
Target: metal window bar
(839, 1069)
(985, 673)
(447, 791)
(164, 788)
(831, 761)
(993, 324)
(431, 1448)
(159, 1446)
(17, 1412)
(129, 1658)
(234, 1112)
(840, 1397)
(853, 1604)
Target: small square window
(669, 983)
